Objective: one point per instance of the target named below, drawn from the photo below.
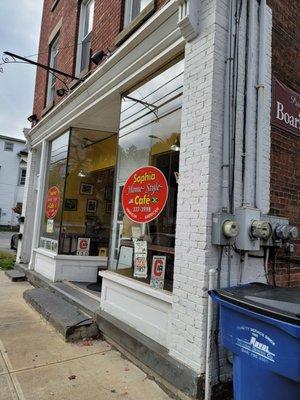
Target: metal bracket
(150, 107)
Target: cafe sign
(52, 202)
(285, 112)
(144, 194)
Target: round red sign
(145, 194)
(52, 202)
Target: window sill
(137, 286)
(135, 23)
(47, 108)
(50, 254)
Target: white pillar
(39, 200)
(199, 188)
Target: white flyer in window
(83, 246)
(140, 259)
(50, 226)
(158, 272)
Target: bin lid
(276, 302)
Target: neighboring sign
(140, 259)
(158, 272)
(50, 226)
(83, 246)
(52, 202)
(144, 194)
(285, 112)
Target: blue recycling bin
(260, 325)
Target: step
(72, 323)
(89, 305)
(78, 298)
(15, 275)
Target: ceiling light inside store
(82, 174)
(176, 145)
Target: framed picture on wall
(108, 207)
(70, 205)
(86, 188)
(91, 206)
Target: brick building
(176, 95)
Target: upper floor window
(132, 9)
(22, 177)
(8, 146)
(53, 50)
(84, 35)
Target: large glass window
(80, 191)
(149, 135)
(89, 192)
(50, 227)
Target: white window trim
(51, 84)
(128, 11)
(81, 38)
(20, 177)
(10, 146)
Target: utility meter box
(224, 228)
(274, 221)
(245, 216)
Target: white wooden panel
(145, 313)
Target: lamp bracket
(150, 106)
(7, 60)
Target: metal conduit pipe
(211, 285)
(260, 104)
(227, 105)
(247, 189)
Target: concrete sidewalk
(36, 364)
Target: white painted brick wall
(200, 179)
(10, 190)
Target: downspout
(226, 131)
(260, 104)
(211, 286)
(247, 189)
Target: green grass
(7, 260)
(8, 229)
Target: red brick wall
(285, 148)
(107, 25)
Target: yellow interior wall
(100, 156)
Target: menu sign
(52, 202)
(145, 194)
(140, 259)
(158, 272)
(285, 112)
(83, 246)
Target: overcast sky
(19, 33)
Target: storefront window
(81, 194)
(50, 227)
(149, 136)
(89, 193)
